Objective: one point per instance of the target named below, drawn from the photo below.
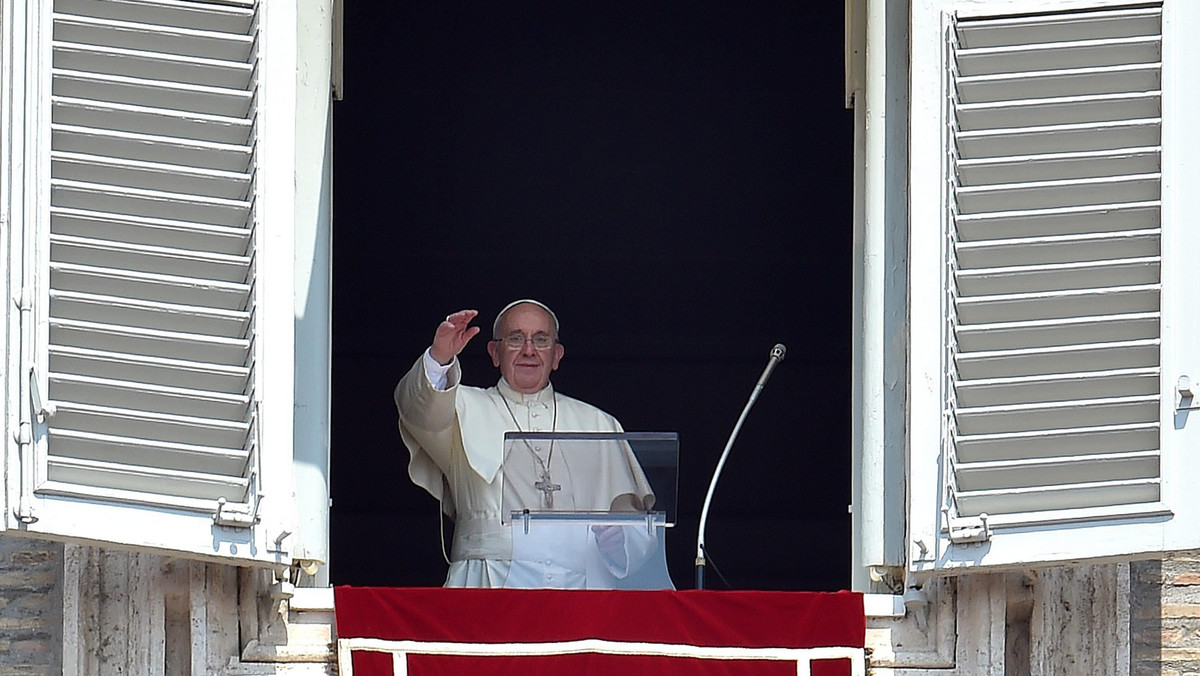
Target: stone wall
(1079, 621)
(1065, 620)
(131, 612)
(30, 606)
(77, 609)
(1165, 616)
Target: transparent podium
(589, 510)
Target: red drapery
(509, 618)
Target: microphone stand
(777, 354)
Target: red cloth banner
(499, 631)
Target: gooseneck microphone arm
(777, 354)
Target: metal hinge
(235, 514)
(967, 529)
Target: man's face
(527, 370)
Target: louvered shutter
(152, 310)
(1053, 418)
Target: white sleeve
(438, 374)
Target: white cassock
(455, 437)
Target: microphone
(777, 354)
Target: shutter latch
(1186, 400)
(42, 409)
(235, 514)
(967, 529)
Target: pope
(455, 437)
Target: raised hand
(452, 336)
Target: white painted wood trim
(1181, 250)
(926, 256)
(12, 132)
(883, 605)
(880, 294)
(317, 25)
(276, 223)
(312, 598)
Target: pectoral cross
(547, 488)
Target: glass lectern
(589, 510)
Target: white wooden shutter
(152, 310)
(1053, 415)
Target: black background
(674, 179)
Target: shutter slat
(149, 286)
(1054, 387)
(1035, 29)
(174, 178)
(67, 361)
(150, 258)
(160, 426)
(1145, 240)
(1071, 303)
(146, 396)
(149, 315)
(1058, 111)
(129, 450)
(150, 203)
(1030, 58)
(1057, 332)
(119, 477)
(1020, 223)
(148, 342)
(1059, 193)
(197, 339)
(153, 37)
(1075, 496)
(157, 66)
(1061, 471)
(182, 96)
(133, 498)
(1054, 443)
(1060, 138)
(1137, 77)
(200, 238)
(223, 17)
(1049, 166)
(1082, 515)
(1075, 358)
(1045, 277)
(1057, 415)
(146, 147)
(74, 113)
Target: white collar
(544, 396)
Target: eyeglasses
(516, 341)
